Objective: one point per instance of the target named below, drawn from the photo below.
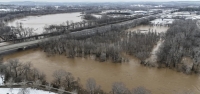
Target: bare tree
(69, 81)
(61, 90)
(10, 84)
(1, 59)
(140, 90)
(22, 32)
(37, 83)
(119, 88)
(2, 69)
(92, 86)
(14, 65)
(27, 70)
(48, 87)
(24, 89)
(59, 76)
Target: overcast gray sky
(93, 0)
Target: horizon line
(97, 1)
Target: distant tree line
(118, 13)
(8, 33)
(4, 28)
(89, 17)
(5, 32)
(190, 9)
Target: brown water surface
(132, 74)
(159, 81)
(146, 28)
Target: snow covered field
(162, 21)
(17, 91)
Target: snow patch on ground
(17, 90)
(1, 80)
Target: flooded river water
(146, 28)
(39, 22)
(132, 73)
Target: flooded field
(146, 28)
(39, 22)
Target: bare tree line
(4, 30)
(20, 71)
(19, 32)
(108, 43)
(181, 44)
(139, 44)
(13, 33)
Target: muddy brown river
(39, 22)
(132, 74)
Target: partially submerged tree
(24, 87)
(22, 32)
(59, 76)
(10, 84)
(140, 90)
(91, 86)
(37, 83)
(61, 90)
(48, 87)
(119, 88)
